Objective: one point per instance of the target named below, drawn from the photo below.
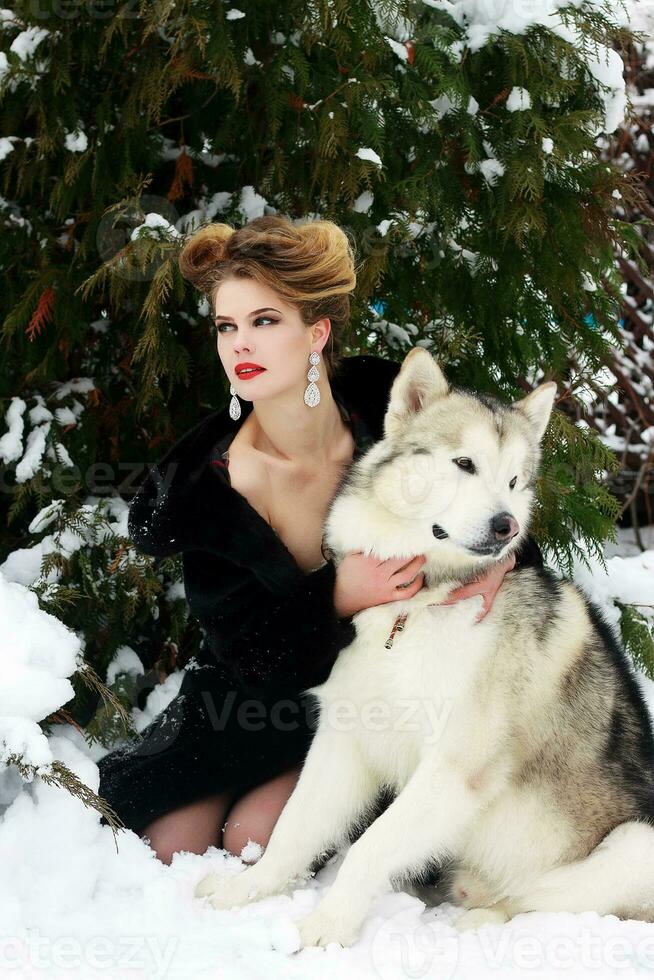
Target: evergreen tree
(458, 146)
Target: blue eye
(224, 323)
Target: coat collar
(198, 506)
(361, 385)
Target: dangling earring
(234, 405)
(312, 392)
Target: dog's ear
(537, 406)
(419, 382)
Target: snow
(40, 412)
(444, 104)
(363, 202)
(473, 106)
(6, 146)
(24, 564)
(249, 58)
(482, 20)
(607, 70)
(366, 153)
(491, 169)
(43, 655)
(65, 416)
(25, 44)
(640, 16)
(152, 226)
(125, 661)
(400, 50)
(29, 456)
(11, 443)
(251, 204)
(159, 698)
(78, 904)
(518, 99)
(627, 579)
(80, 385)
(76, 142)
(30, 464)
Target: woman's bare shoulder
(248, 474)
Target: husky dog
(519, 749)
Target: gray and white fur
(519, 749)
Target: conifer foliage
(456, 142)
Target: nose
(504, 526)
(242, 342)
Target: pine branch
(58, 774)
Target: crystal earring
(234, 405)
(312, 392)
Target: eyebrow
(220, 316)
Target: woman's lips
(246, 375)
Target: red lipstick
(247, 369)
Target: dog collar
(398, 626)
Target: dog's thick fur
(519, 749)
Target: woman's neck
(287, 429)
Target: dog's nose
(504, 526)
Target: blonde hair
(311, 266)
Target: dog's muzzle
(504, 527)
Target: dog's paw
(476, 918)
(322, 927)
(207, 885)
(229, 893)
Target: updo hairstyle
(311, 266)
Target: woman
(243, 496)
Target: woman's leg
(189, 828)
(199, 825)
(254, 815)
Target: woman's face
(254, 326)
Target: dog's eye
(464, 463)
(513, 482)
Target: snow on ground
(75, 903)
(74, 906)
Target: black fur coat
(270, 629)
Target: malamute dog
(519, 749)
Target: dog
(526, 773)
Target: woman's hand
(486, 586)
(363, 581)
